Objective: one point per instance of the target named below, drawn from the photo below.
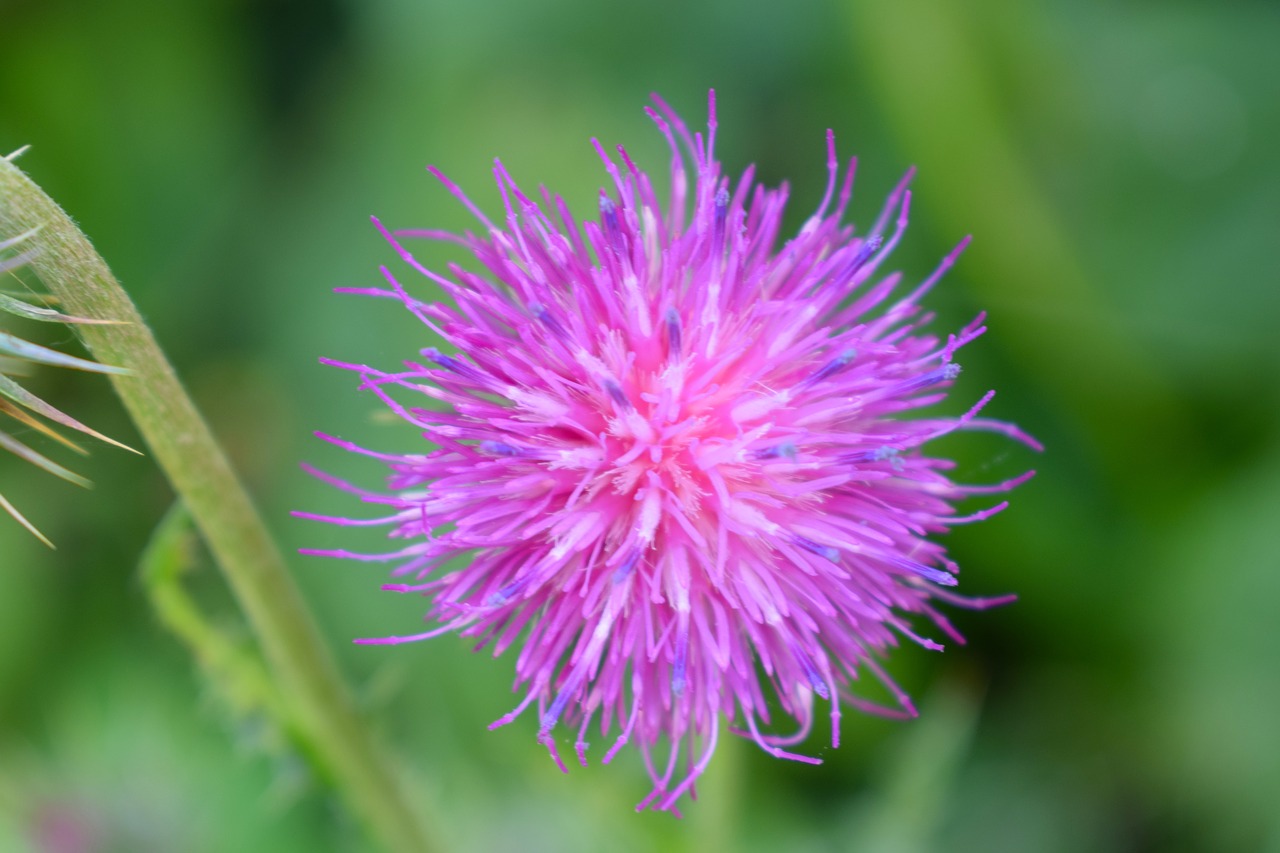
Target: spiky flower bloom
(672, 460)
(17, 357)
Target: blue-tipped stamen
(453, 365)
(616, 392)
(609, 218)
(672, 318)
(860, 257)
(505, 594)
(722, 213)
(824, 551)
(941, 374)
(815, 678)
(879, 454)
(548, 319)
(500, 448)
(678, 677)
(929, 573)
(832, 367)
(628, 565)
(550, 718)
(786, 450)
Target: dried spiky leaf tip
(17, 358)
(673, 461)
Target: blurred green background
(1117, 165)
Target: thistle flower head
(17, 357)
(678, 458)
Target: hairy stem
(198, 469)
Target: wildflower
(671, 460)
(17, 356)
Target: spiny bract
(17, 357)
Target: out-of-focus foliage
(1116, 164)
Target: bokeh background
(1117, 165)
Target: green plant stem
(200, 473)
(235, 673)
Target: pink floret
(682, 462)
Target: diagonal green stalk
(200, 473)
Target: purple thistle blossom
(675, 459)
